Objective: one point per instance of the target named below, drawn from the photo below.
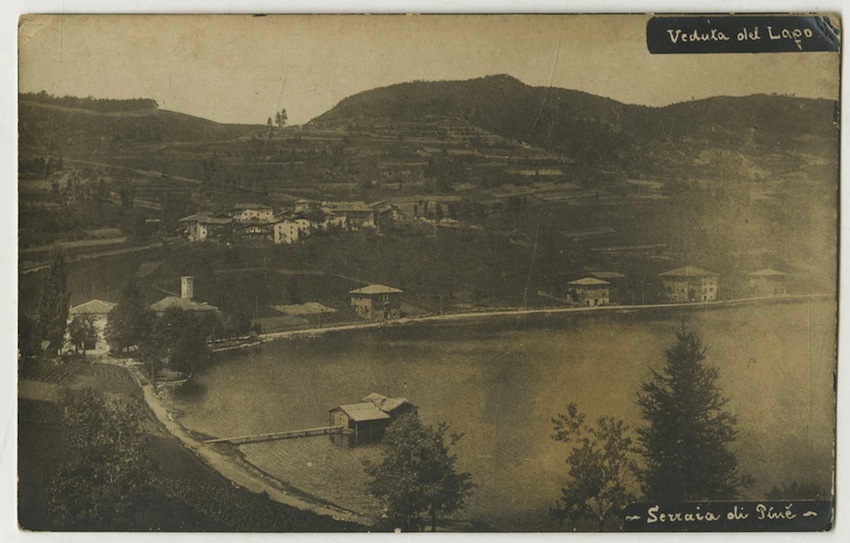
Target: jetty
(289, 434)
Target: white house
(97, 310)
(252, 212)
(286, 231)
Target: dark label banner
(731, 516)
(741, 34)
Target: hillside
(51, 124)
(597, 130)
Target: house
(766, 282)
(368, 419)
(357, 214)
(690, 284)
(252, 212)
(376, 302)
(184, 301)
(203, 226)
(617, 289)
(256, 230)
(386, 214)
(589, 291)
(286, 231)
(305, 205)
(97, 310)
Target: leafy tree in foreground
(417, 475)
(82, 331)
(53, 306)
(130, 321)
(686, 442)
(600, 468)
(105, 467)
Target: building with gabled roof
(202, 226)
(690, 284)
(184, 301)
(368, 419)
(376, 302)
(98, 312)
(247, 212)
(589, 291)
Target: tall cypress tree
(686, 442)
(54, 304)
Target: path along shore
(231, 466)
(448, 317)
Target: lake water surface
(501, 380)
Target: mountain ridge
(596, 129)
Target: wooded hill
(597, 130)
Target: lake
(500, 380)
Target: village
(323, 284)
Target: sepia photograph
(442, 273)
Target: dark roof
(687, 271)
(376, 289)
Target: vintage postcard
(332, 273)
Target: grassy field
(183, 494)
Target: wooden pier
(289, 434)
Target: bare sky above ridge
(241, 69)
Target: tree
(26, 337)
(105, 465)
(417, 475)
(130, 321)
(600, 468)
(280, 118)
(53, 306)
(190, 353)
(688, 433)
(82, 331)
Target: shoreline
(516, 312)
(233, 466)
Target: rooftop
(359, 412)
(384, 403)
(92, 307)
(181, 303)
(376, 289)
(251, 205)
(687, 271)
(606, 275)
(588, 281)
(348, 206)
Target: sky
(241, 69)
